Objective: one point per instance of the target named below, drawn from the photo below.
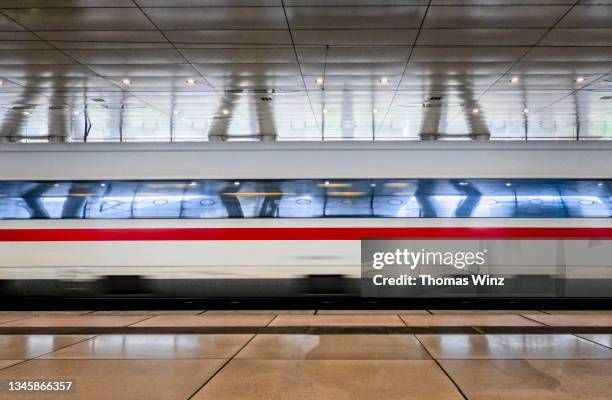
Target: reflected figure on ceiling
(266, 124)
(222, 118)
(14, 121)
(476, 121)
(434, 111)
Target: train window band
(307, 198)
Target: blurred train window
(307, 198)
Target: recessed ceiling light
(475, 111)
(320, 81)
(515, 79)
(126, 81)
(525, 110)
(26, 113)
(191, 82)
(225, 111)
(384, 80)
(580, 79)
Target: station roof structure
(200, 70)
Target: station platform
(311, 354)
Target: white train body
(259, 251)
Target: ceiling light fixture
(475, 111)
(236, 183)
(319, 81)
(384, 80)
(103, 184)
(191, 82)
(225, 111)
(1, 83)
(525, 110)
(176, 112)
(508, 184)
(76, 112)
(515, 79)
(325, 110)
(126, 81)
(580, 79)
(375, 111)
(26, 113)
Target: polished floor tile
(335, 347)
(337, 320)
(8, 363)
(512, 347)
(577, 312)
(154, 346)
(371, 312)
(484, 312)
(532, 379)
(30, 346)
(75, 321)
(601, 338)
(259, 312)
(467, 320)
(117, 379)
(573, 320)
(206, 320)
(148, 312)
(44, 312)
(12, 317)
(329, 379)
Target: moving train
(216, 220)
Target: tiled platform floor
(317, 367)
(274, 319)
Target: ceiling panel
(482, 37)
(479, 16)
(66, 19)
(355, 17)
(199, 18)
(588, 16)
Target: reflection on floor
(318, 367)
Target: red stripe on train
(129, 234)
